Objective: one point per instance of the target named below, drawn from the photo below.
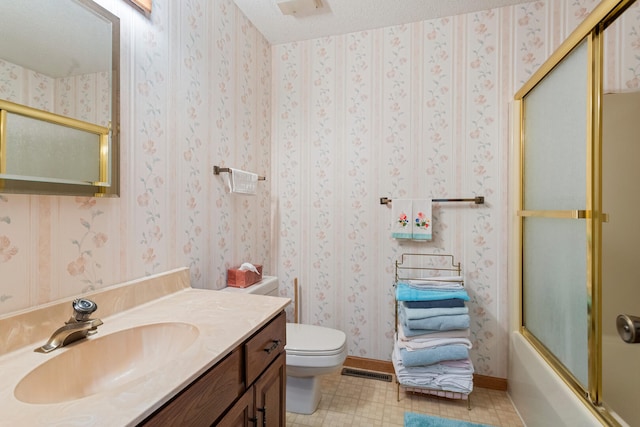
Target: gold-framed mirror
(59, 98)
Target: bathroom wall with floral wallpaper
(412, 111)
(83, 97)
(195, 92)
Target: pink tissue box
(242, 279)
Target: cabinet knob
(273, 346)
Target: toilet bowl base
(303, 394)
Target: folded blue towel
(412, 328)
(439, 323)
(404, 292)
(426, 333)
(422, 313)
(444, 303)
(429, 325)
(420, 318)
(429, 356)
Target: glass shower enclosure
(577, 210)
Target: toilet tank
(267, 286)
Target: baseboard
(492, 383)
(482, 381)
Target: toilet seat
(311, 340)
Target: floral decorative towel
(421, 224)
(401, 211)
(411, 219)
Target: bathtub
(621, 377)
(540, 396)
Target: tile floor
(353, 401)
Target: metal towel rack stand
(414, 266)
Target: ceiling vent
(298, 7)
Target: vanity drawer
(206, 399)
(265, 346)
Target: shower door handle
(628, 328)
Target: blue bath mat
(419, 420)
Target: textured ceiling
(346, 16)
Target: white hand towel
(435, 342)
(421, 222)
(401, 219)
(243, 182)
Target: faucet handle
(82, 309)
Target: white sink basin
(99, 364)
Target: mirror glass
(35, 149)
(60, 69)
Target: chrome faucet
(77, 327)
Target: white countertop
(224, 320)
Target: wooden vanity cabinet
(246, 388)
(263, 404)
(270, 393)
(241, 414)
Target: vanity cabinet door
(270, 394)
(241, 414)
(263, 405)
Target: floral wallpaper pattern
(322, 145)
(179, 89)
(7, 250)
(410, 111)
(192, 207)
(85, 265)
(152, 153)
(223, 109)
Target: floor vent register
(366, 374)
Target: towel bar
(478, 200)
(218, 169)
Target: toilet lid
(312, 340)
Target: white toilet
(311, 351)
